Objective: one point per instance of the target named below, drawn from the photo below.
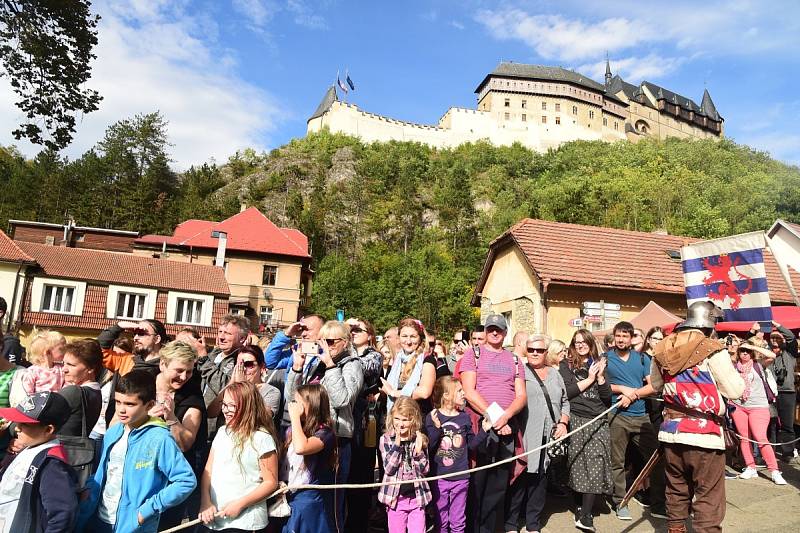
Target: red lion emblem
(720, 272)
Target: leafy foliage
(399, 228)
(46, 51)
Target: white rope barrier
(417, 480)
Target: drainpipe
(13, 297)
(544, 286)
(25, 284)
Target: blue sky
(230, 74)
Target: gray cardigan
(535, 418)
(342, 382)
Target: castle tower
(608, 72)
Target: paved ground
(753, 505)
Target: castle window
(507, 102)
(605, 121)
(574, 110)
(524, 104)
(558, 120)
(544, 119)
(558, 107)
(616, 125)
(507, 116)
(524, 117)
(544, 106)
(591, 114)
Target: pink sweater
(40, 379)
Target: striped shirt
(495, 374)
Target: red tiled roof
(248, 231)
(128, 269)
(10, 252)
(574, 254)
(94, 314)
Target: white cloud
(649, 67)
(457, 25)
(305, 16)
(151, 57)
(782, 146)
(258, 12)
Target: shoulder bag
(80, 449)
(558, 449)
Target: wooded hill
(398, 228)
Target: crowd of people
(133, 431)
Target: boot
(676, 527)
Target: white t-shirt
(13, 479)
(233, 475)
(112, 491)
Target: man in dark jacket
(38, 487)
(784, 346)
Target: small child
(309, 460)
(242, 467)
(142, 471)
(405, 456)
(450, 431)
(45, 350)
(37, 489)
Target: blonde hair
(178, 351)
(42, 342)
(416, 325)
(553, 349)
(444, 389)
(333, 329)
(407, 408)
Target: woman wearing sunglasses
(250, 368)
(338, 368)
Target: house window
(507, 102)
(544, 106)
(574, 110)
(265, 314)
(524, 104)
(189, 311)
(558, 107)
(58, 299)
(544, 119)
(558, 120)
(131, 305)
(270, 275)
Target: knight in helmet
(694, 372)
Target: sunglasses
(656, 338)
(537, 350)
(331, 342)
(356, 329)
(249, 364)
(139, 332)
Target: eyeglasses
(139, 332)
(654, 338)
(249, 364)
(636, 336)
(228, 406)
(581, 343)
(537, 350)
(331, 342)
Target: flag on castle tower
(341, 85)
(349, 81)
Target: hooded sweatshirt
(155, 477)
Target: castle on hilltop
(540, 107)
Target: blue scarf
(394, 375)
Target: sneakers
(748, 473)
(777, 478)
(642, 498)
(658, 511)
(586, 523)
(731, 475)
(623, 513)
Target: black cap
(39, 408)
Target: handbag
(80, 449)
(278, 507)
(559, 449)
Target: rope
(417, 480)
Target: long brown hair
(416, 325)
(250, 416)
(574, 358)
(319, 413)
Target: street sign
(576, 322)
(601, 305)
(601, 312)
(594, 319)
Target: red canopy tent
(787, 316)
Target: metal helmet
(701, 315)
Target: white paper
(494, 412)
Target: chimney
(221, 244)
(242, 207)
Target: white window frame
(172, 307)
(262, 313)
(113, 297)
(127, 296)
(190, 308)
(78, 294)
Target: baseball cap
(498, 321)
(39, 408)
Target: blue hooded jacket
(155, 477)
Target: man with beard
(148, 337)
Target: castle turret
(326, 103)
(707, 107)
(608, 73)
